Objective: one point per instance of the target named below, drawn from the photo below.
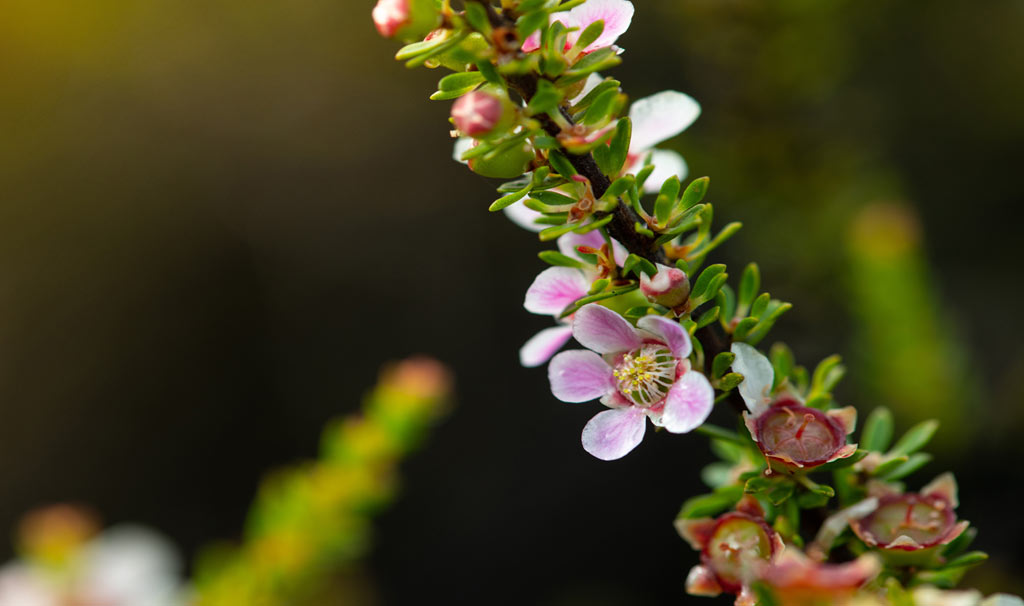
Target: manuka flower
(556, 288)
(656, 119)
(796, 580)
(909, 528)
(637, 372)
(791, 436)
(616, 14)
(734, 549)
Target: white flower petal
(758, 376)
(660, 117)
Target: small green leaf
(587, 37)
(506, 201)
(599, 60)
(666, 200)
(889, 464)
(490, 73)
(971, 558)
(618, 187)
(750, 283)
(708, 505)
(599, 286)
(843, 463)
(826, 375)
(606, 84)
(601, 108)
(721, 363)
(635, 263)
(729, 381)
(568, 311)
(915, 462)
(695, 192)
(561, 164)
(530, 22)
(782, 362)
(878, 430)
(915, 438)
(705, 280)
(557, 231)
(476, 15)
(719, 433)
(546, 99)
(618, 149)
(708, 317)
(456, 85)
(553, 257)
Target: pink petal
(554, 289)
(613, 433)
(603, 330)
(579, 376)
(688, 403)
(660, 117)
(616, 14)
(543, 345)
(532, 42)
(669, 332)
(524, 217)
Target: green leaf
(971, 558)
(960, 544)
(912, 464)
(635, 263)
(782, 362)
(476, 15)
(708, 317)
(727, 300)
(889, 464)
(599, 286)
(618, 149)
(490, 73)
(826, 375)
(599, 60)
(811, 500)
(695, 192)
(530, 22)
(618, 187)
(428, 48)
(915, 438)
(843, 463)
(587, 37)
(457, 84)
(507, 200)
(767, 321)
(776, 490)
(553, 198)
(878, 430)
(643, 173)
(759, 306)
(601, 108)
(545, 100)
(553, 257)
(557, 231)
(729, 381)
(666, 200)
(568, 311)
(705, 280)
(606, 84)
(750, 283)
(708, 505)
(561, 164)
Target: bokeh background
(218, 218)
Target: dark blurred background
(218, 218)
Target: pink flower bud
(794, 437)
(478, 113)
(405, 19)
(390, 15)
(669, 287)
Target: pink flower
(478, 113)
(915, 522)
(638, 373)
(390, 15)
(616, 14)
(557, 288)
(734, 549)
(656, 119)
(791, 436)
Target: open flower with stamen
(556, 288)
(616, 15)
(733, 547)
(639, 373)
(910, 528)
(792, 437)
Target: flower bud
(668, 287)
(482, 113)
(405, 19)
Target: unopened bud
(481, 113)
(405, 19)
(668, 287)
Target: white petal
(554, 289)
(660, 117)
(670, 332)
(667, 164)
(613, 433)
(758, 376)
(462, 145)
(688, 403)
(523, 217)
(578, 375)
(603, 330)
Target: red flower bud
(406, 19)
